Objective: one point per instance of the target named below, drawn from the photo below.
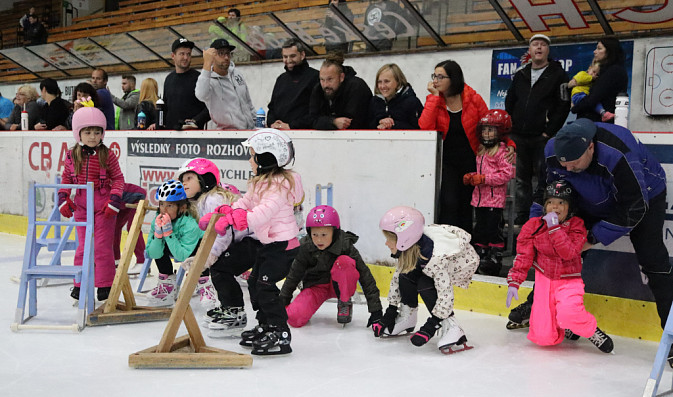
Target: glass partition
(125, 48)
(159, 40)
(26, 59)
(89, 52)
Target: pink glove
(240, 219)
(551, 219)
(224, 209)
(512, 292)
(222, 224)
(168, 226)
(205, 220)
(159, 226)
(478, 179)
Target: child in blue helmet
(174, 232)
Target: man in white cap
(538, 110)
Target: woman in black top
(54, 114)
(612, 80)
(395, 104)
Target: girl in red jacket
(553, 245)
(490, 182)
(91, 161)
(454, 108)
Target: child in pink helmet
(328, 265)
(232, 254)
(89, 160)
(267, 208)
(430, 261)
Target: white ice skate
(164, 293)
(230, 324)
(134, 271)
(451, 335)
(405, 322)
(207, 292)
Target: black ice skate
(102, 293)
(247, 337)
(74, 293)
(344, 312)
(274, 342)
(602, 341)
(519, 317)
(571, 335)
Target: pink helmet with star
(406, 222)
(87, 117)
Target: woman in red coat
(454, 108)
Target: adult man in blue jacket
(621, 190)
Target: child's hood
(448, 240)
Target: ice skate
(451, 337)
(344, 312)
(134, 271)
(247, 337)
(211, 315)
(602, 341)
(102, 293)
(491, 264)
(274, 342)
(519, 317)
(164, 293)
(405, 322)
(571, 335)
(74, 293)
(231, 318)
(207, 292)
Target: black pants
(529, 164)
(455, 197)
(488, 227)
(648, 243)
(272, 264)
(165, 263)
(239, 257)
(414, 283)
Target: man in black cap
(222, 88)
(183, 110)
(538, 110)
(621, 190)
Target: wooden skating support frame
(113, 311)
(189, 351)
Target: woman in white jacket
(431, 261)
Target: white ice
(327, 360)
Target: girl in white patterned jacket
(431, 261)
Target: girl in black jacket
(395, 104)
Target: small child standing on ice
(553, 245)
(430, 261)
(328, 265)
(490, 182)
(175, 232)
(91, 161)
(268, 209)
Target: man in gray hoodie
(222, 88)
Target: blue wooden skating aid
(31, 271)
(660, 359)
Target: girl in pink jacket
(267, 209)
(490, 182)
(553, 245)
(91, 161)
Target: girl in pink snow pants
(329, 266)
(91, 161)
(553, 244)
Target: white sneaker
(164, 293)
(207, 292)
(405, 320)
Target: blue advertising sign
(573, 57)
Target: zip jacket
(227, 99)
(207, 204)
(185, 237)
(493, 192)
(292, 95)
(312, 267)
(350, 100)
(404, 108)
(555, 251)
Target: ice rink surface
(327, 360)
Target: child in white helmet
(430, 261)
(328, 265)
(231, 255)
(89, 160)
(173, 233)
(267, 209)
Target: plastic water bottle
(622, 110)
(260, 121)
(160, 114)
(142, 120)
(24, 119)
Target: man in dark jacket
(289, 104)
(538, 107)
(341, 100)
(36, 32)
